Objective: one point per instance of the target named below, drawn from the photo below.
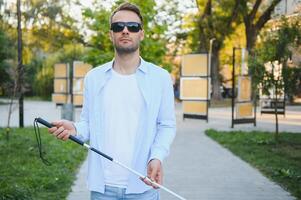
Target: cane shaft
(73, 138)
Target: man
(128, 113)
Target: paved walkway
(198, 168)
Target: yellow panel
(244, 110)
(59, 98)
(194, 65)
(244, 88)
(60, 86)
(194, 107)
(80, 69)
(194, 88)
(61, 71)
(78, 100)
(78, 85)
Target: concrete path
(198, 168)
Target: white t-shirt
(123, 103)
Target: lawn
(279, 161)
(24, 176)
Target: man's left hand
(154, 172)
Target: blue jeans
(115, 193)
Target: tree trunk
(254, 22)
(216, 83)
(251, 35)
(276, 115)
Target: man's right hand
(62, 129)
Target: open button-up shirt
(156, 130)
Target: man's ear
(142, 35)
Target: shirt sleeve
(166, 122)
(82, 126)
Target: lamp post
(209, 63)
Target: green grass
(24, 176)
(279, 161)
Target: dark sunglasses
(131, 26)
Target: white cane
(74, 139)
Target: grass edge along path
(24, 176)
(280, 162)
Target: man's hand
(62, 129)
(154, 172)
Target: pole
(210, 53)
(20, 67)
(233, 86)
(209, 74)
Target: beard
(126, 50)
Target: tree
(255, 18)
(6, 52)
(47, 28)
(216, 19)
(276, 49)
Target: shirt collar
(142, 66)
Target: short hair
(127, 6)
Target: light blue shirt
(156, 129)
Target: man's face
(126, 41)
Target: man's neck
(127, 63)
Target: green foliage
(24, 176)
(280, 161)
(293, 85)
(215, 20)
(6, 52)
(48, 30)
(100, 47)
(277, 46)
(49, 26)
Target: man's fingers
(63, 134)
(66, 137)
(153, 173)
(61, 129)
(52, 129)
(145, 180)
(58, 131)
(159, 177)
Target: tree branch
(266, 15)
(253, 12)
(234, 13)
(207, 10)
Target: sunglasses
(133, 27)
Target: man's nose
(125, 30)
